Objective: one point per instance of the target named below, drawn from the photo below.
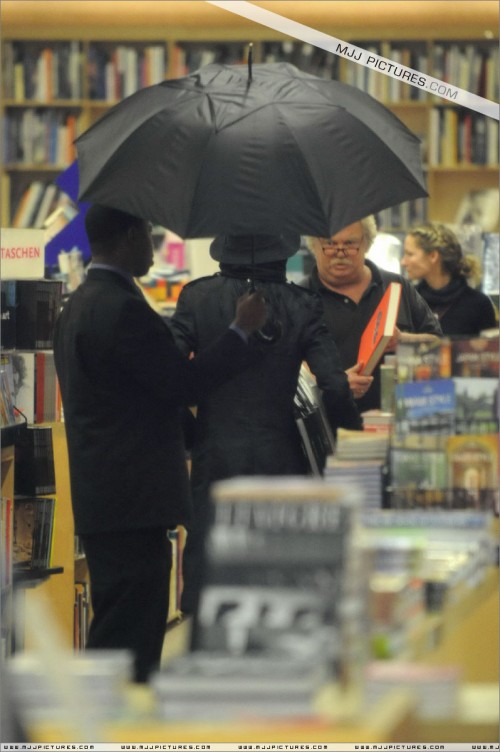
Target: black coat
(122, 383)
(247, 426)
(461, 310)
(347, 320)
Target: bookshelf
(110, 54)
(183, 31)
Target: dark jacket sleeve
(487, 313)
(322, 356)
(157, 364)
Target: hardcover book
(379, 329)
(280, 559)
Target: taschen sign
(23, 254)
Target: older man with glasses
(351, 286)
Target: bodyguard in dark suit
(123, 385)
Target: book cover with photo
(419, 478)
(423, 361)
(475, 356)
(278, 558)
(425, 406)
(22, 380)
(473, 471)
(476, 405)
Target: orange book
(379, 329)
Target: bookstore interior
(392, 634)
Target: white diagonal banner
(361, 56)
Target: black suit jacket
(123, 383)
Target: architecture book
(425, 406)
(379, 329)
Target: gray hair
(369, 226)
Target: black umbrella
(231, 149)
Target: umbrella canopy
(263, 150)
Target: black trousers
(130, 583)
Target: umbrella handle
(252, 265)
(250, 61)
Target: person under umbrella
(247, 426)
(351, 286)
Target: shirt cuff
(240, 332)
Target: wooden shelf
(179, 23)
(390, 720)
(391, 18)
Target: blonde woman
(433, 255)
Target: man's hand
(359, 384)
(251, 312)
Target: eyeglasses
(347, 248)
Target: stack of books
(283, 604)
(95, 681)
(436, 687)
(361, 445)
(369, 475)
(213, 686)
